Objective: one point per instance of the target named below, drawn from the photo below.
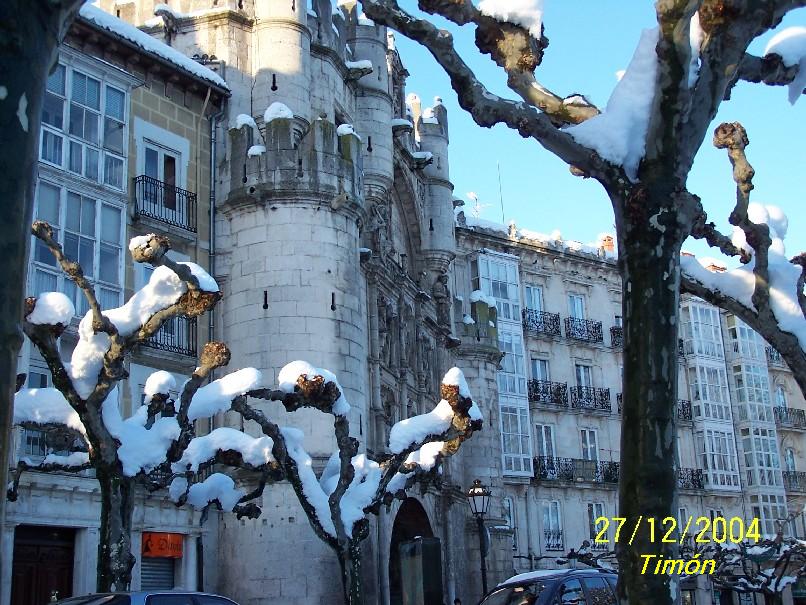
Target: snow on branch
(767, 291)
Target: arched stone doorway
(412, 523)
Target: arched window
(780, 396)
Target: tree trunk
(350, 564)
(28, 40)
(115, 559)
(774, 599)
(650, 262)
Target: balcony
(795, 481)
(177, 335)
(680, 349)
(590, 398)
(690, 478)
(616, 337)
(575, 470)
(683, 409)
(164, 202)
(549, 393)
(585, 330)
(540, 322)
(553, 539)
(790, 417)
(774, 358)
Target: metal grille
(540, 322)
(164, 202)
(156, 573)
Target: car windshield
(515, 595)
(98, 599)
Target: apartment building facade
(740, 414)
(125, 149)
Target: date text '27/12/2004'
(703, 529)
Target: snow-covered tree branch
(640, 147)
(766, 292)
(157, 447)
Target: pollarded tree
(157, 447)
(640, 148)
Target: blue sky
(589, 42)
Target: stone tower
(334, 244)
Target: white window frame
(533, 295)
(589, 440)
(576, 306)
(583, 374)
(545, 444)
(146, 133)
(540, 368)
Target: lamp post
(478, 497)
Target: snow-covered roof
(95, 16)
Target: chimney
(608, 243)
(716, 268)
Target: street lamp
(479, 498)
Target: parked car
(149, 597)
(555, 587)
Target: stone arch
(405, 197)
(410, 522)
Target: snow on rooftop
(72, 459)
(147, 43)
(345, 129)
(277, 111)
(243, 119)
(362, 64)
(218, 395)
(287, 379)
(256, 151)
(254, 451)
(790, 44)
(479, 296)
(618, 134)
(526, 13)
(52, 308)
(45, 406)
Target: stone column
(188, 577)
(85, 564)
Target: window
(552, 525)
(576, 306)
(534, 298)
(583, 375)
(617, 321)
(789, 457)
(590, 450)
(499, 279)
(91, 232)
(701, 331)
(595, 510)
(570, 593)
(718, 454)
(544, 440)
(88, 152)
(512, 375)
(746, 342)
(599, 592)
(780, 396)
(515, 440)
(753, 392)
(709, 391)
(540, 369)
(162, 165)
(761, 456)
(768, 508)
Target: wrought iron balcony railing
(617, 337)
(164, 202)
(794, 481)
(585, 330)
(774, 357)
(575, 470)
(690, 478)
(590, 398)
(541, 322)
(680, 349)
(683, 409)
(550, 393)
(553, 539)
(177, 335)
(790, 417)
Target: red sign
(167, 546)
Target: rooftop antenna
(501, 194)
(478, 207)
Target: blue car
(149, 597)
(555, 587)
